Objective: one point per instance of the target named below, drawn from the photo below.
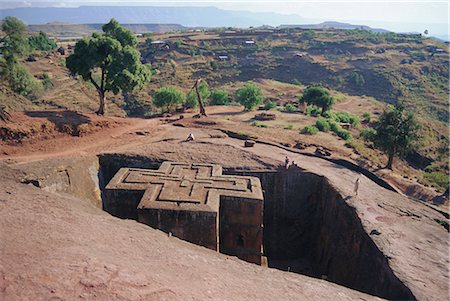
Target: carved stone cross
(194, 202)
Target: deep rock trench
(308, 228)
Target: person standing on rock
(286, 162)
(355, 191)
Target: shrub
(219, 97)
(168, 97)
(22, 81)
(366, 117)
(309, 130)
(290, 108)
(259, 125)
(368, 134)
(438, 179)
(313, 111)
(269, 105)
(289, 127)
(322, 124)
(357, 79)
(346, 117)
(335, 127)
(319, 96)
(41, 42)
(344, 134)
(46, 81)
(249, 96)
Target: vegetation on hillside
(113, 54)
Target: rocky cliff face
(309, 229)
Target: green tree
(219, 97)
(14, 43)
(168, 97)
(41, 42)
(319, 96)
(191, 98)
(113, 56)
(249, 96)
(396, 132)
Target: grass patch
(259, 125)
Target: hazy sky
(373, 10)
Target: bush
(319, 96)
(438, 179)
(368, 134)
(41, 42)
(357, 79)
(22, 81)
(289, 127)
(312, 111)
(322, 124)
(335, 127)
(46, 81)
(346, 117)
(219, 97)
(260, 125)
(309, 130)
(290, 108)
(168, 97)
(249, 96)
(344, 134)
(366, 117)
(269, 105)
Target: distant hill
(187, 16)
(332, 24)
(59, 29)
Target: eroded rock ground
(58, 244)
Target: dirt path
(92, 144)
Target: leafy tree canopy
(319, 96)
(41, 42)
(168, 97)
(114, 57)
(396, 132)
(14, 43)
(219, 97)
(249, 96)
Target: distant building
(249, 42)
(223, 57)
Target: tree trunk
(324, 109)
(101, 109)
(390, 160)
(199, 99)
